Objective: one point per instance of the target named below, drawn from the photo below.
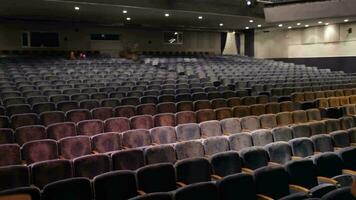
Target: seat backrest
(193, 170)
(115, 185)
(73, 188)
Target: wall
(78, 38)
(323, 46)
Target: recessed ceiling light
(298, 24)
(249, 3)
(346, 20)
(124, 11)
(166, 15)
(76, 8)
(251, 21)
(221, 24)
(307, 26)
(247, 27)
(200, 17)
(326, 24)
(320, 22)
(128, 18)
(280, 25)
(259, 26)
(175, 33)
(233, 32)
(289, 27)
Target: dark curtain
(249, 43)
(223, 40)
(237, 40)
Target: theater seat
(273, 182)
(226, 163)
(72, 188)
(115, 185)
(45, 172)
(14, 176)
(21, 193)
(156, 178)
(330, 167)
(304, 173)
(206, 191)
(193, 170)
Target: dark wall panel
(249, 42)
(346, 64)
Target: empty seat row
(313, 178)
(165, 144)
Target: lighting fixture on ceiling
(124, 11)
(251, 21)
(200, 17)
(259, 26)
(128, 18)
(221, 24)
(247, 27)
(326, 24)
(346, 20)
(320, 22)
(166, 14)
(280, 25)
(298, 24)
(76, 8)
(306, 26)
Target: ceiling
(232, 14)
(183, 14)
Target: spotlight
(250, 3)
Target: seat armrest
(327, 180)
(273, 164)
(263, 197)
(299, 188)
(296, 158)
(348, 171)
(337, 148)
(140, 192)
(180, 184)
(247, 170)
(23, 162)
(227, 133)
(95, 152)
(154, 144)
(317, 152)
(216, 177)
